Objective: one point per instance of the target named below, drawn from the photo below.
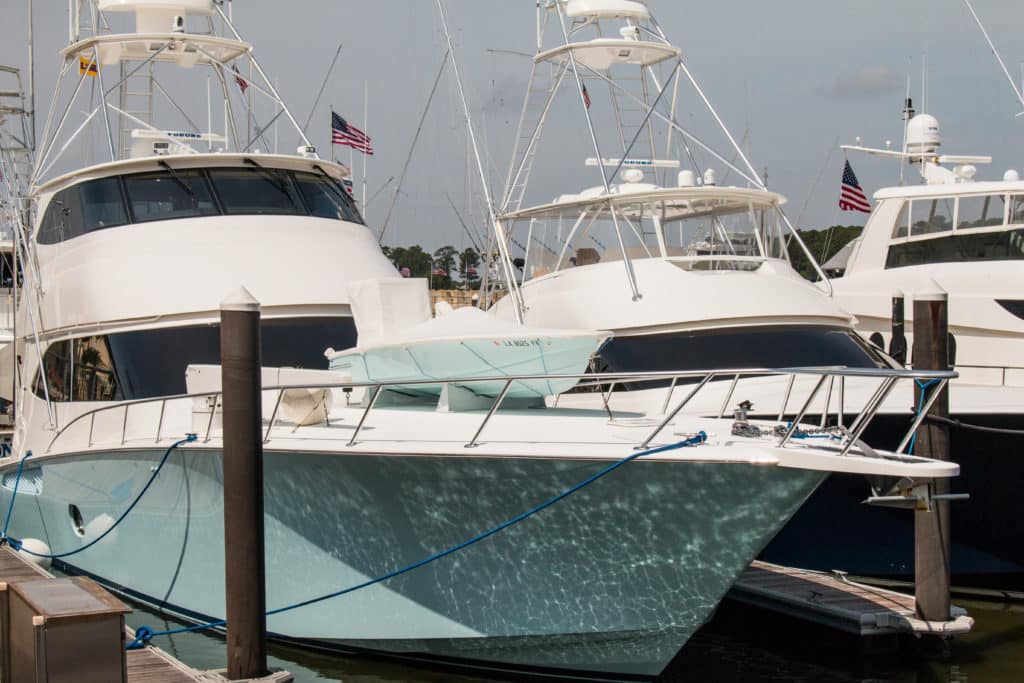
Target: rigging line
(1002, 64)
(323, 86)
(814, 189)
(469, 233)
(412, 147)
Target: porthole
(77, 523)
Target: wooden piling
(931, 526)
(898, 343)
(243, 487)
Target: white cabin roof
(950, 190)
(181, 161)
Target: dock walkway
(835, 601)
(145, 665)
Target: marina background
(794, 80)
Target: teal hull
(614, 578)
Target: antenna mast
(1013, 84)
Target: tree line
(449, 268)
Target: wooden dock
(146, 665)
(833, 600)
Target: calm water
(739, 645)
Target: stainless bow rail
(698, 380)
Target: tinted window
(326, 199)
(990, 246)
(980, 212)
(931, 216)
(80, 370)
(750, 348)
(166, 195)
(150, 363)
(256, 191)
(102, 204)
(1017, 210)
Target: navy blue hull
(836, 530)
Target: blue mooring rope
(144, 634)
(923, 386)
(17, 545)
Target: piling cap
(240, 300)
(931, 291)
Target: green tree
(444, 264)
(469, 268)
(823, 244)
(414, 258)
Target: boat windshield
(152, 363)
(987, 227)
(706, 234)
(171, 194)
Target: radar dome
(923, 136)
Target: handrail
(889, 377)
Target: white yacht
(965, 235)
(686, 271)
(129, 257)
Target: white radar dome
(1011, 176)
(923, 135)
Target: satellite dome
(923, 136)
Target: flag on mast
(345, 134)
(586, 96)
(243, 84)
(851, 196)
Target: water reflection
(739, 645)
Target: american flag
(586, 97)
(347, 135)
(243, 84)
(851, 196)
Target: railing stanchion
(209, 423)
(868, 415)
(273, 415)
(828, 400)
(160, 422)
(728, 397)
(785, 400)
(668, 396)
(92, 424)
(841, 412)
(369, 406)
(124, 424)
(803, 411)
(675, 411)
(607, 400)
(494, 409)
(921, 416)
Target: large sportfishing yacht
(686, 270)
(501, 533)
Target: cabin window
(188, 193)
(166, 195)
(931, 216)
(74, 211)
(325, 198)
(1017, 210)
(980, 246)
(151, 363)
(260, 191)
(902, 222)
(79, 370)
(980, 212)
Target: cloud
(866, 82)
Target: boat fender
(34, 545)
(307, 407)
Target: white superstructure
(676, 249)
(957, 232)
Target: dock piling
(931, 526)
(243, 487)
(898, 343)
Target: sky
(792, 79)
